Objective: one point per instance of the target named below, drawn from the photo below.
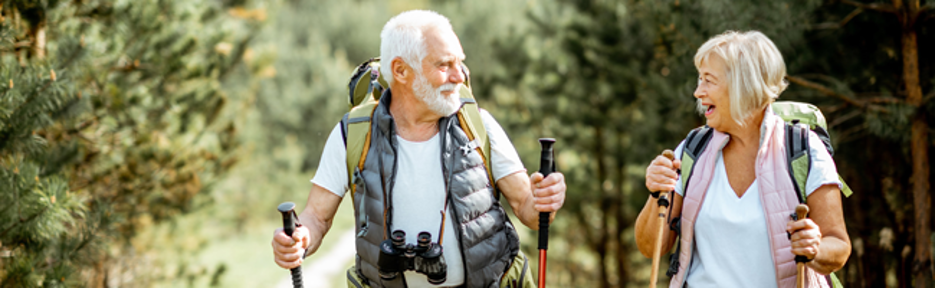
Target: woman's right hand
(661, 175)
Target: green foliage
(111, 118)
(612, 80)
(153, 102)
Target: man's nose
(456, 75)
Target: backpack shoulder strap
(355, 127)
(798, 157)
(695, 144)
(473, 125)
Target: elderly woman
(735, 219)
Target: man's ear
(402, 73)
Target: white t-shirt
(419, 191)
(731, 242)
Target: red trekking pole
(546, 167)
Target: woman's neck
(748, 135)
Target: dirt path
(322, 269)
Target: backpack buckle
(468, 147)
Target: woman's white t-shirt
(731, 242)
(419, 190)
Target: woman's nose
(699, 92)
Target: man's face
(441, 78)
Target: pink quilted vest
(777, 194)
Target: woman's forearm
(832, 255)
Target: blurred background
(147, 143)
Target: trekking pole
(546, 167)
(801, 212)
(663, 207)
(288, 225)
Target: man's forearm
(318, 214)
(530, 216)
(316, 228)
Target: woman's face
(712, 93)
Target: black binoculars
(397, 256)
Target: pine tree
(111, 119)
(869, 63)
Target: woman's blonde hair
(756, 71)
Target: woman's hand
(806, 237)
(661, 175)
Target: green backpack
(364, 91)
(800, 119)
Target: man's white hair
(403, 37)
(756, 72)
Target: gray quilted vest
(487, 239)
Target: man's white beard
(434, 99)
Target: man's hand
(549, 193)
(315, 219)
(289, 251)
(530, 195)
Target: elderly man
(419, 180)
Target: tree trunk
(38, 39)
(623, 221)
(601, 246)
(922, 201)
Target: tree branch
(879, 7)
(925, 8)
(838, 25)
(823, 90)
(848, 99)
(889, 100)
(22, 221)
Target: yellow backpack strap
(472, 124)
(356, 128)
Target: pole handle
(801, 212)
(287, 209)
(668, 154)
(546, 167)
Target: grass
(227, 243)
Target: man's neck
(414, 121)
